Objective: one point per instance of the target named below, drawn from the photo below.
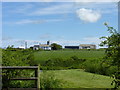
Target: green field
(77, 78)
(46, 55)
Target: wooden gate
(37, 73)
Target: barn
(87, 46)
(72, 47)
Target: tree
(112, 57)
(10, 47)
(55, 46)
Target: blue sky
(65, 23)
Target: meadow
(76, 78)
(42, 56)
(61, 68)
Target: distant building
(25, 45)
(42, 46)
(45, 47)
(48, 42)
(82, 46)
(21, 47)
(72, 47)
(36, 47)
(87, 46)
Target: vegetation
(49, 80)
(67, 68)
(91, 61)
(58, 63)
(112, 57)
(16, 57)
(77, 78)
(55, 46)
(66, 54)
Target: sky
(65, 23)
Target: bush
(92, 66)
(16, 57)
(96, 66)
(58, 63)
(48, 80)
(110, 71)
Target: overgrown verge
(93, 66)
(48, 80)
(16, 57)
(58, 64)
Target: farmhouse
(42, 46)
(21, 47)
(87, 46)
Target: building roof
(71, 46)
(36, 45)
(44, 45)
(21, 47)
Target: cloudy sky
(65, 23)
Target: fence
(37, 73)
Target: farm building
(72, 47)
(42, 46)
(82, 46)
(21, 47)
(87, 46)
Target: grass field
(77, 78)
(46, 55)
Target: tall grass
(48, 80)
(42, 56)
(75, 78)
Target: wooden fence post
(38, 80)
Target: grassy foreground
(77, 78)
(46, 55)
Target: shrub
(110, 71)
(59, 63)
(92, 66)
(74, 58)
(48, 80)
(11, 57)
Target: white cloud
(94, 40)
(55, 9)
(86, 40)
(21, 9)
(28, 21)
(34, 9)
(88, 15)
(109, 7)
